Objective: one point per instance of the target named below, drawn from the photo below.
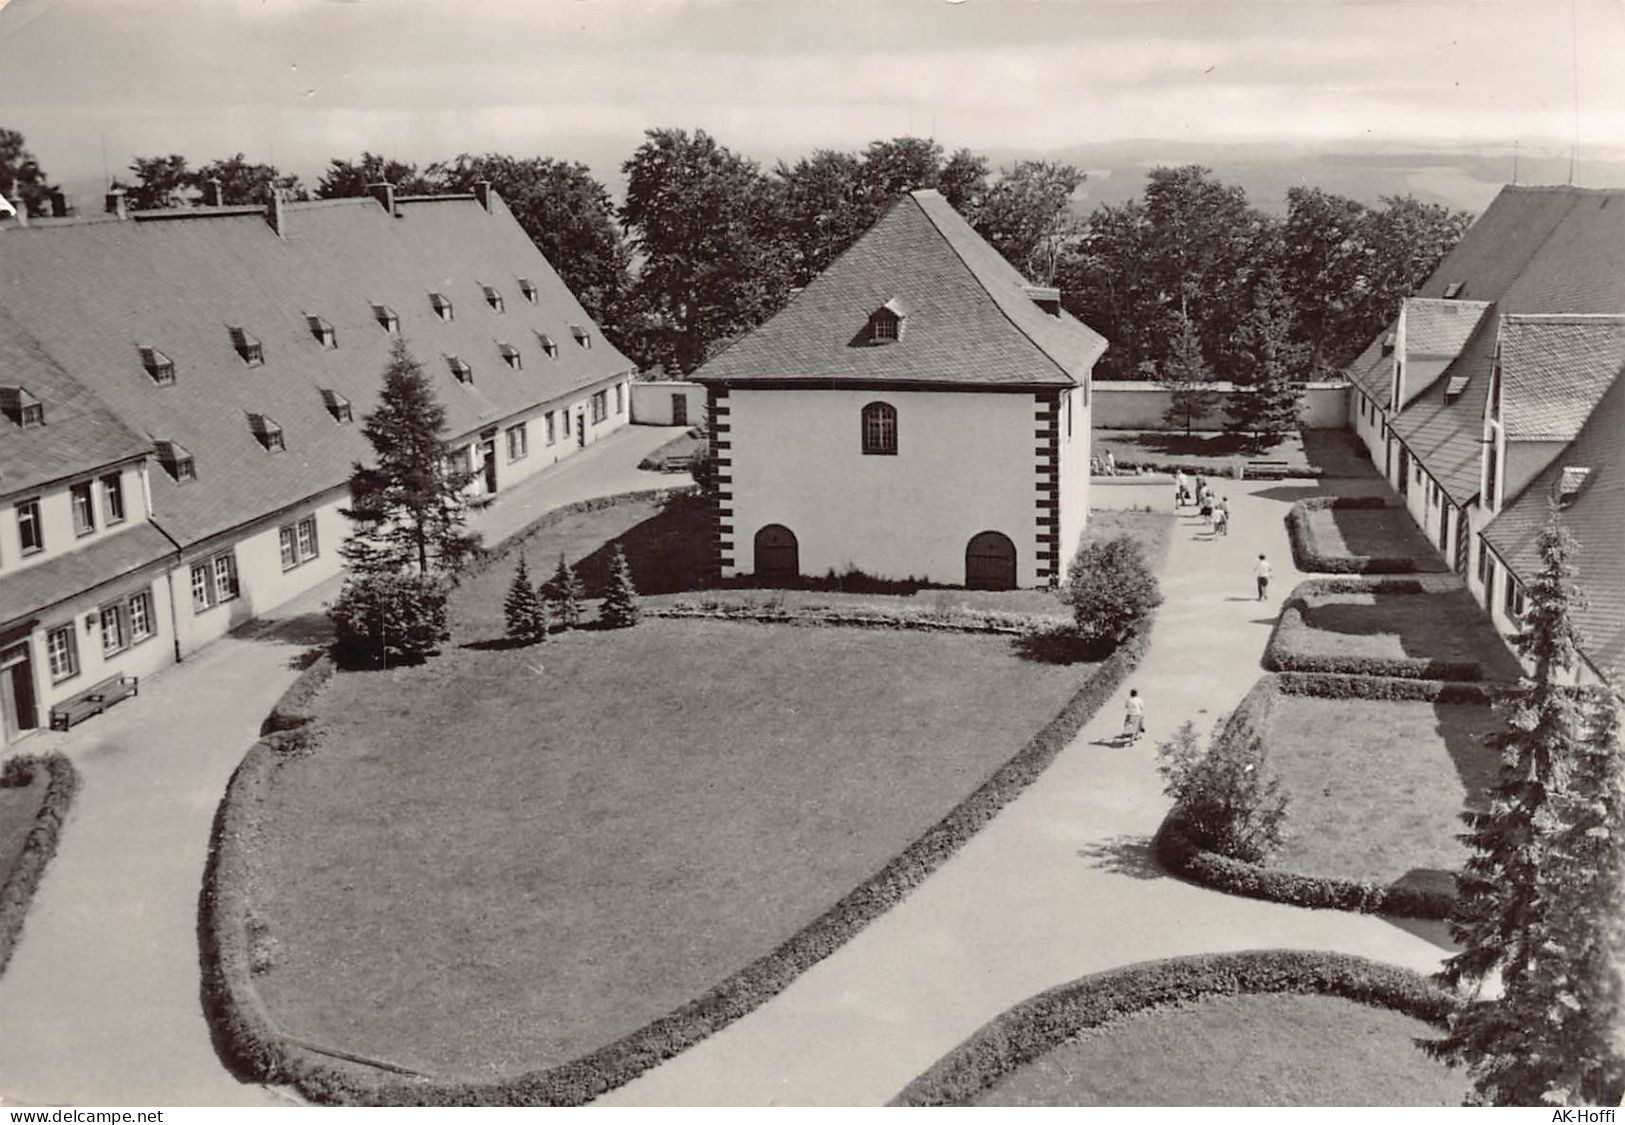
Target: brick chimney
(482, 192)
(214, 193)
(276, 214)
(384, 193)
(116, 205)
(60, 209)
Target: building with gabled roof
(919, 410)
(1468, 423)
(229, 355)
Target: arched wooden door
(990, 562)
(777, 554)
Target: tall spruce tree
(1517, 912)
(1270, 364)
(1186, 374)
(408, 509)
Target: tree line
(1188, 280)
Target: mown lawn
(509, 857)
(1379, 532)
(666, 545)
(1444, 625)
(1376, 786)
(1275, 1050)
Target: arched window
(879, 428)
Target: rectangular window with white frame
(298, 542)
(518, 442)
(552, 434)
(620, 398)
(112, 499)
(214, 581)
(141, 619)
(84, 508)
(600, 406)
(62, 653)
(115, 637)
(30, 531)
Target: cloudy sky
(297, 81)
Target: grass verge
(33, 805)
(1357, 535)
(1102, 1001)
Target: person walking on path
(1134, 718)
(1262, 572)
(1111, 464)
(1182, 489)
(1221, 517)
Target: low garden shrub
(1110, 588)
(385, 619)
(58, 782)
(1036, 1026)
(1225, 796)
(259, 1051)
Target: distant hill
(1465, 177)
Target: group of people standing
(1215, 509)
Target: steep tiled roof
(93, 293)
(110, 557)
(79, 433)
(1553, 371)
(1494, 252)
(1437, 328)
(970, 322)
(1596, 519)
(1553, 250)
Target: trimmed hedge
(1181, 855)
(1309, 555)
(17, 891)
(253, 1045)
(292, 710)
(1285, 654)
(1034, 1027)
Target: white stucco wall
(1367, 423)
(966, 463)
(140, 659)
(1074, 449)
(652, 402)
(56, 516)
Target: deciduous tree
(347, 179)
(1027, 216)
(160, 182)
(243, 182)
(21, 176)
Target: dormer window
(267, 431)
(1570, 484)
(549, 348)
(583, 337)
(1454, 387)
(386, 318)
(511, 356)
(1453, 290)
(528, 289)
(886, 322)
(493, 298)
(248, 347)
(21, 407)
(158, 365)
(177, 462)
(441, 304)
(1388, 344)
(459, 369)
(1046, 297)
(338, 406)
(323, 331)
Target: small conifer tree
(524, 608)
(563, 593)
(620, 606)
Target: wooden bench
(1266, 470)
(93, 700)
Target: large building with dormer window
(181, 394)
(920, 410)
(1495, 397)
